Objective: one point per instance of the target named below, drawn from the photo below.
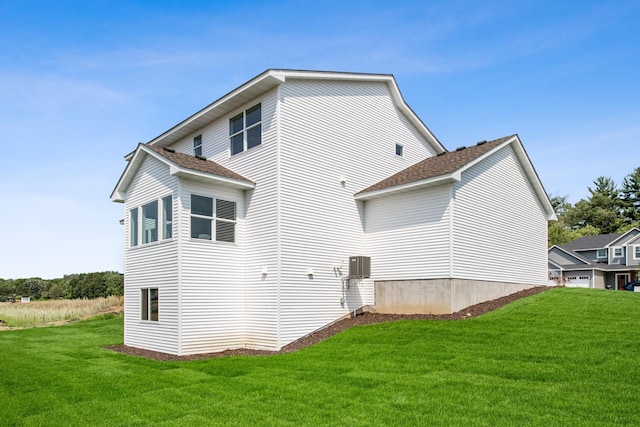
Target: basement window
(149, 304)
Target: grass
(563, 357)
(42, 313)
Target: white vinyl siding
(409, 235)
(212, 286)
(151, 266)
(499, 226)
(328, 131)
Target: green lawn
(565, 357)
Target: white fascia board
(176, 170)
(411, 186)
(620, 241)
(135, 159)
(234, 99)
(529, 170)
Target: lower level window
(149, 304)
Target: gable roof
(585, 243)
(180, 164)
(270, 79)
(448, 168)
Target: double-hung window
(133, 227)
(167, 217)
(245, 130)
(636, 252)
(149, 304)
(197, 145)
(213, 219)
(601, 254)
(617, 252)
(151, 222)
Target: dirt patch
(334, 328)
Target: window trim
(147, 312)
(606, 253)
(615, 251)
(167, 224)
(636, 251)
(245, 129)
(136, 223)
(148, 235)
(214, 219)
(197, 145)
(133, 228)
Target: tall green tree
(630, 197)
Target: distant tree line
(86, 285)
(608, 209)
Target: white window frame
(606, 253)
(133, 227)
(399, 150)
(137, 227)
(147, 314)
(197, 145)
(615, 252)
(245, 130)
(214, 219)
(148, 235)
(167, 220)
(636, 251)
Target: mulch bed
(334, 328)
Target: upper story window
(213, 219)
(245, 130)
(399, 150)
(133, 227)
(167, 217)
(636, 252)
(617, 252)
(150, 222)
(197, 145)
(601, 254)
(144, 225)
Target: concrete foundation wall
(437, 296)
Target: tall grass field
(565, 357)
(43, 313)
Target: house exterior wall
(560, 257)
(152, 265)
(261, 222)
(599, 280)
(329, 130)
(212, 291)
(409, 234)
(499, 227)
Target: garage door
(579, 281)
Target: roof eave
(411, 186)
(178, 171)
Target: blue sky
(82, 82)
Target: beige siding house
(243, 222)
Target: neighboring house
(604, 261)
(253, 222)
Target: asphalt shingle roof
(199, 164)
(591, 242)
(432, 167)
